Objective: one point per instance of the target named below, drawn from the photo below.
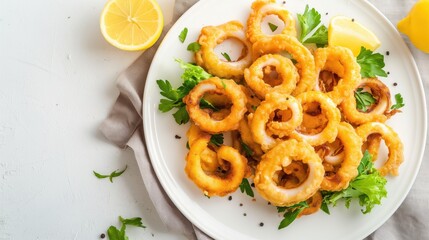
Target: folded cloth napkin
(124, 127)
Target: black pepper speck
(395, 84)
(387, 53)
(261, 224)
(241, 204)
(230, 198)
(269, 203)
(388, 73)
(244, 214)
(253, 184)
(102, 235)
(353, 19)
(177, 136)
(326, 13)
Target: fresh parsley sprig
(369, 187)
(191, 76)
(245, 187)
(119, 234)
(273, 27)
(247, 150)
(363, 99)
(217, 139)
(194, 47)
(371, 64)
(399, 102)
(291, 213)
(308, 21)
(111, 175)
(183, 34)
(226, 56)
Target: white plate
(224, 219)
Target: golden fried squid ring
(378, 112)
(209, 160)
(304, 58)
(285, 71)
(392, 141)
(247, 137)
(216, 183)
(349, 156)
(263, 8)
(329, 109)
(206, 57)
(274, 101)
(349, 71)
(252, 101)
(281, 156)
(314, 203)
(215, 85)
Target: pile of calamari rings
(292, 117)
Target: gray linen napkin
(124, 127)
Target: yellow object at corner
(131, 24)
(416, 25)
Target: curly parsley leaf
(194, 47)
(363, 99)
(204, 104)
(119, 234)
(273, 27)
(308, 21)
(245, 187)
(191, 76)
(111, 175)
(217, 139)
(183, 34)
(369, 187)
(226, 56)
(320, 37)
(291, 213)
(371, 64)
(247, 150)
(399, 102)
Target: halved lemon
(346, 32)
(131, 24)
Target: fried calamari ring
(281, 156)
(263, 8)
(274, 101)
(378, 112)
(217, 183)
(392, 141)
(252, 100)
(206, 57)
(304, 58)
(349, 71)
(209, 160)
(215, 85)
(247, 137)
(329, 109)
(349, 155)
(285, 71)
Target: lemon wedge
(131, 25)
(346, 32)
(415, 25)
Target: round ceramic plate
(240, 216)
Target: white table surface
(57, 78)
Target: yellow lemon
(416, 25)
(131, 24)
(346, 32)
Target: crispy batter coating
(226, 179)
(206, 57)
(305, 60)
(263, 8)
(281, 156)
(329, 109)
(285, 72)
(379, 112)
(341, 61)
(314, 203)
(218, 86)
(393, 143)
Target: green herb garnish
(369, 187)
(191, 76)
(291, 213)
(399, 102)
(247, 150)
(204, 104)
(217, 139)
(308, 21)
(245, 187)
(194, 47)
(320, 37)
(183, 34)
(111, 175)
(226, 56)
(273, 27)
(363, 99)
(371, 64)
(116, 234)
